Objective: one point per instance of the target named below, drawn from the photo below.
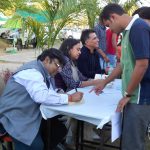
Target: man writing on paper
(32, 85)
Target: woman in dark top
(70, 73)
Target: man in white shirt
(31, 85)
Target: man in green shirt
(135, 71)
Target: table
(97, 110)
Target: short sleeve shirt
(140, 41)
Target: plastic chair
(6, 142)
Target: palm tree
(10, 6)
(129, 5)
(39, 31)
(58, 13)
(92, 9)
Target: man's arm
(116, 72)
(114, 42)
(39, 92)
(140, 45)
(103, 55)
(136, 77)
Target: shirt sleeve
(98, 67)
(140, 41)
(82, 77)
(66, 74)
(33, 82)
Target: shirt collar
(47, 73)
(88, 50)
(132, 21)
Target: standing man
(32, 85)
(100, 31)
(135, 70)
(88, 61)
(111, 47)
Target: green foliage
(4, 5)
(39, 31)
(58, 14)
(130, 6)
(91, 9)
(11, 4)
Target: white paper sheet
(116, 126)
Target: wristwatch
(127, 95)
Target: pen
(76, 89)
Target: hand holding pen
(76, 97)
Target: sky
(140, 3)
(145, 2)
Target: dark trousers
(135, 124)
(37, 144)
(53, 132)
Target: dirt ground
(13, 60)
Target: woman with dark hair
(73, 78)
(70, 74)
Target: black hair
(85, 35)
(52, 53)
(145, 13)
(137, 11)
(110, 9)
(67, 45)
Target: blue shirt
(140, 41)
(101, 34)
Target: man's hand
(122, 104)
(75, 97)
(98, 89)
(103, 55)
(97, 82)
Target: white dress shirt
(34, 83)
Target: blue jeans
(102, 63)
(112, 59)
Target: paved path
(13, 61)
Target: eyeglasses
(59, 67)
